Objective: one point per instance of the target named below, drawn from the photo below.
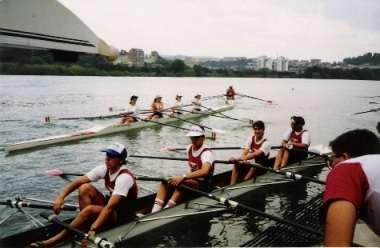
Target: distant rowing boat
(98, 131)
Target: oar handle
(146, 178)
(98, 241)
(156, 157)
(25, 204)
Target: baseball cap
(196, 131)
(116, 149)
(157, 96)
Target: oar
(368, 111)
(194, 123)
(18, 203)
(288, 174)
(60, 173)
(317, 150)
(98, 241)
(234, 204)
(213, 134)
(172, 149)
(219, 113)
(256, 98)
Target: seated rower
(196, 103)
(130, 111)
(295, 143)
(156, 107)
(200, 161)
(257, 149)
(177, 105)
(97, 210)
(230, 94)
(352, 188)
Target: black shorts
(296, 156)
(159, 114)
(125, 211)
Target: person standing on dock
(295, 143)
(353, 186)
(196, 103)
(230, 94)
(96, 210)
(257, 149)
(156, 107)
(201, 163)
(131, 110)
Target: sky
(297, 29)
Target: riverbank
(179, 71)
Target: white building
(264, 62)
(281, 64)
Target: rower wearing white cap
(156, 107)
(196, 103)
(177, 105)
(96, 209)
(201, 164)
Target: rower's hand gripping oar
(98, 241)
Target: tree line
(35, 62)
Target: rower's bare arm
(255, 154)
(204, 171)
(340, 223)
(76, 183)
(106, 212)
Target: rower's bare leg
(285, 159)
(278, 160)
(88, 213)
(251, 173)
(89, 195)
(162, 192)
(235, 174)
(178, 193)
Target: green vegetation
(368, 58)
(33, 62)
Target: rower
(177, 105)
(196, 103)
(257, 149)
(130, 111)
(156, 107)
(352, 188)
(200, 161)
(295, 143)
(230, 94)
(96, 210)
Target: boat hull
(135, 230)
(99, 131)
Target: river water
(326, 105)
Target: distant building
(281, 64)
(264, 62)
(315, 62)
(153, 58)
(136, 57)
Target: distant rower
(131, 110)
(156, 108)
(230, 94)
(177, 105)
(196, 103)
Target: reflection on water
(25, 100)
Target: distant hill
(368, 58)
